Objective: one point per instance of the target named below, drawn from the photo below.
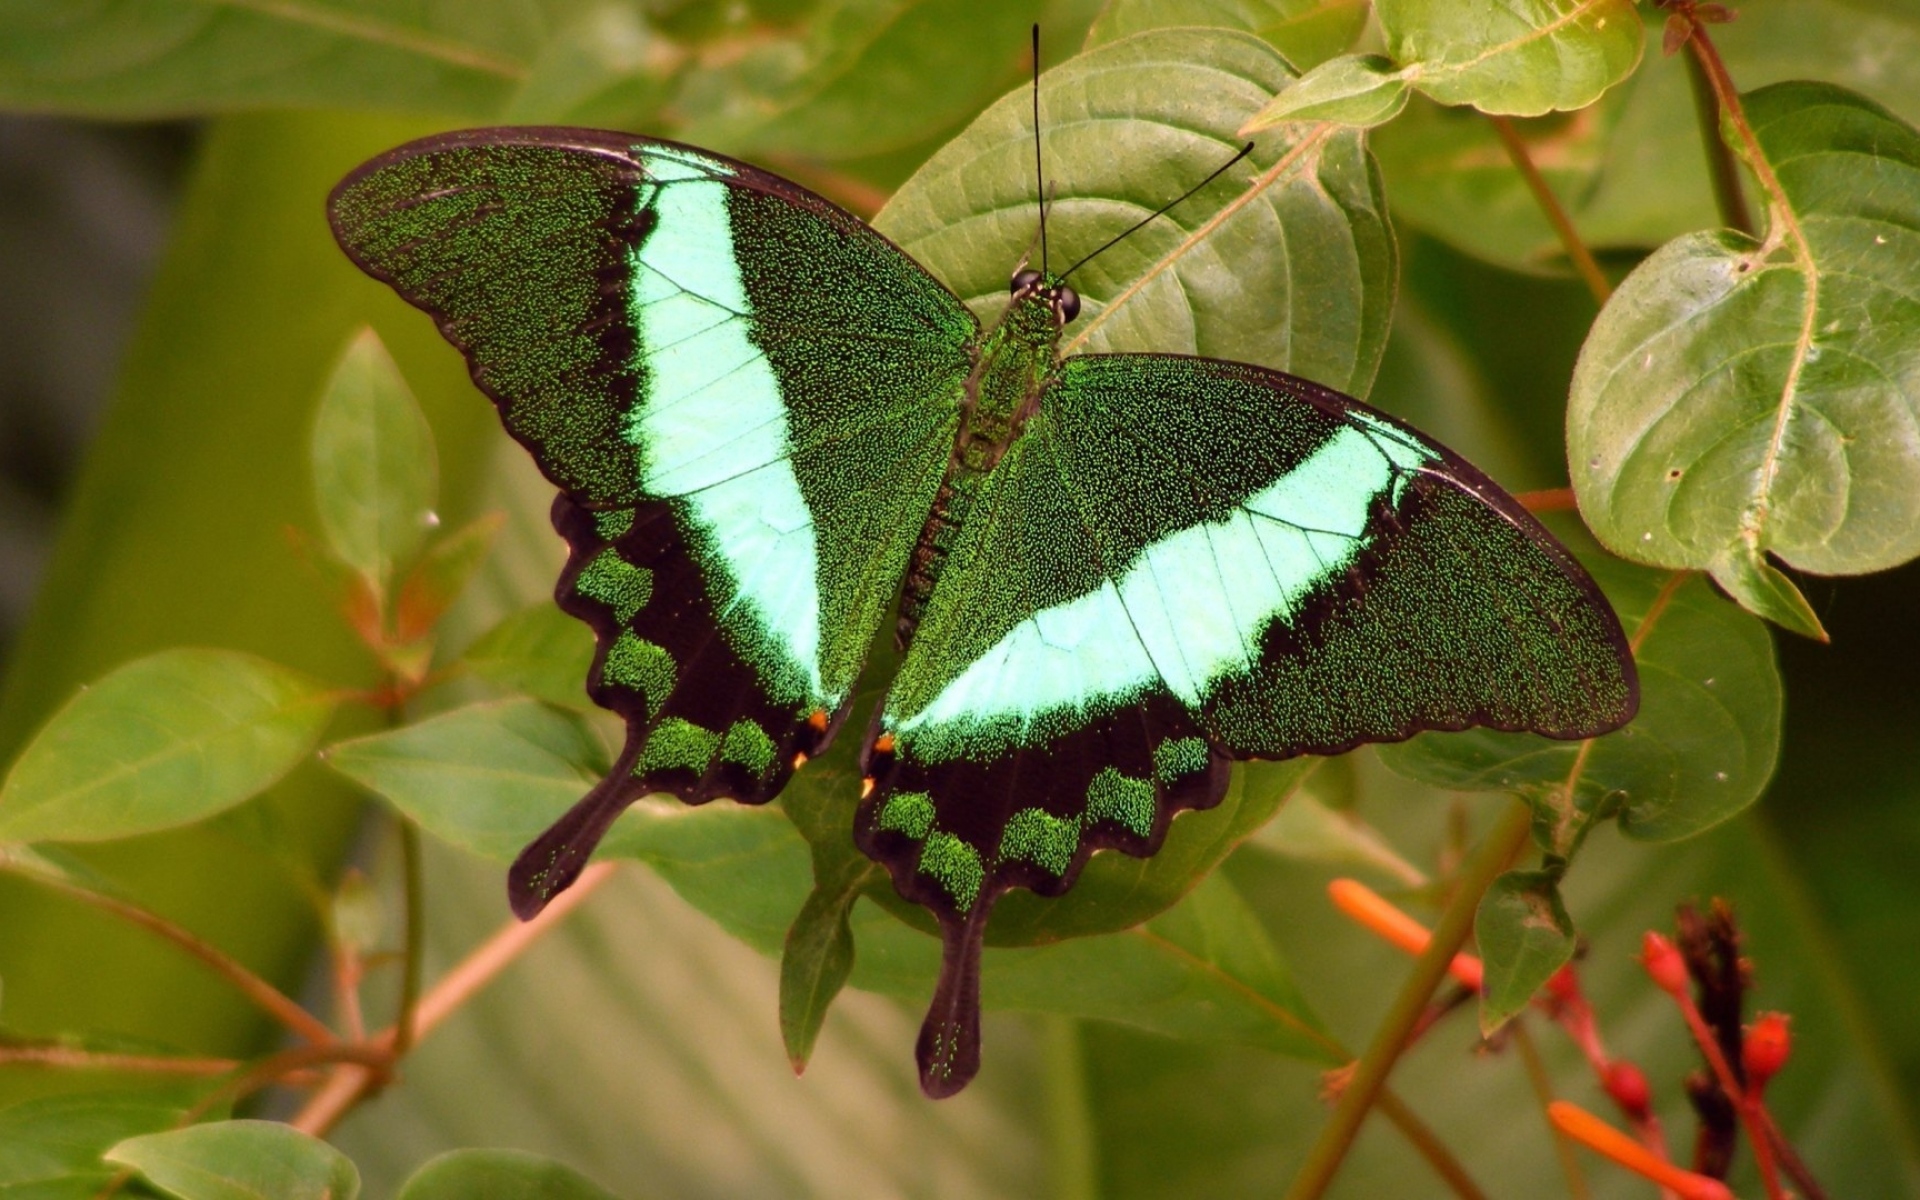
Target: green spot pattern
(910, 813)
(675, 744)
(1040, 838)
(643, 666)
(1115, 797)
(1176, 757)
(748, 745)
(955, 865)
(613, 522)
(616, 583)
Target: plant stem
(351, 1084)
(415, 936)
(1721, 167)
(1506, 839)
(1577, 252)
(1428, 1143)
(1075, 1173)
(1543, 1090)
(269, 998)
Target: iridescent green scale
(1112, 574)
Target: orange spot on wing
(799, 760)
(866, 787)
(884, 743)
(818, 720)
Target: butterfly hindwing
(1183, 561)
(746, 395)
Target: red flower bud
(1765, 1050)
(1663, 963)
(1628, 1088)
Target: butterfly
(1111, 575)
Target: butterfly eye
(1025, 279)
(1066, 304)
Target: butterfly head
(1037, 287)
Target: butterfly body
(1111, 574)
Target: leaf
(240, 1160)
(375, 472)
(155, 58)
(1314, 245)
(871, 76)
(539, 651)
(604, 69)
(499, 1175)
(55, 1142)
(161, 742)
(814, 964)
(441, 575)
(1700, 751)
(1739, 398)
(488, 777)
(1524, 936)
(1204, 970)
(1361, 90)
(1520, 58)
(1306, 31)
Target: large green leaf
(539, 651)
(1306, 31)
(1741, 398)
(1521, 57)
(1700, 750)
(149, 58)
(51, 1147)
(240, 1160)
(499, 1175)
(1314, 246)
(376, 476)
(161, 742)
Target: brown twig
(1425, 1141)
(1577, 252)
(1548, 500)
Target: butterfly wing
(1184, 561)
(746, 396)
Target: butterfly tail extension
(552, 861)
(948, 1049)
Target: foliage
(1742, 405)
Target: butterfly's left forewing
(1184, 561)
(747, 397)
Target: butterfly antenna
(1039, 179)
(1161, 211)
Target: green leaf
(1739, 398)
(539, 651)
(155, 58)
(815, 963)
(1175, 98)
(1204, 970)
(1701, 749)
(871, 76)
(1306, 31)
(1362, 90)
(240, 1160)
(375, 472)
(604, 69)
(488, 777)
(499, 1175)
(1524, 936)
(1520, 58)
(161, 742)
(441, 575)
(56, 1142)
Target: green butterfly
(1113, 573)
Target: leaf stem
(416, 926)
(1542, 1086)
(1075, 1173)
(1429, 1146)
(1582, 258)
(1728, 195)
(268, 998)
(1507, 838)
(351, 1084)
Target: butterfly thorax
(1011, 367)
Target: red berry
(1663, 963)
(1765, 1050)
